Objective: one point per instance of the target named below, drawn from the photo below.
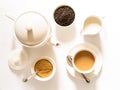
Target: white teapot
(32, 29)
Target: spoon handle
(29, 77)
(69, 59)
(86, 79)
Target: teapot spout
(10, 16)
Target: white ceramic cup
(82, 71)
(88, 48)
(53, 69)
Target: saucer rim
(72, 71)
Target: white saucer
(72, 71)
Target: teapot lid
(32, 28)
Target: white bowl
(50, 76)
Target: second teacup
(44, 68)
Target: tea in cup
(84, 61)
(83, 58)
(44, 68)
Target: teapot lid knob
(29, 33)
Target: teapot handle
(10, 16)
(54, 42)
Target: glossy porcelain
(53, 72)
(32, 29)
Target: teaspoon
(69, 58)
(29, 77)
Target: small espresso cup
(83, 60)
(44, 68)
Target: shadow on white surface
(65, 33)
(34, 54)
(34, 84)
(95, 40)
(16, 45)
(46, 50)
(82, 85)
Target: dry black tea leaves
(64, 15)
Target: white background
(108, 42)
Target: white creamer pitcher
(92, 25)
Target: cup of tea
(84, 61)
(84, 58)
(44, 68)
